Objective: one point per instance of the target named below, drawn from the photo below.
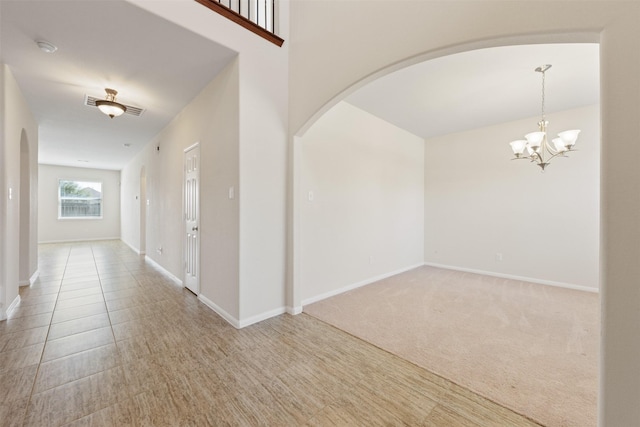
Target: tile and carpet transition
(102, 338)
(529, 347)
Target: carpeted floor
(529, 347)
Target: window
(79, 199)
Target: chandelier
(538, 148)
(109, 106)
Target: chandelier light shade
(536, 146)
(109, 106)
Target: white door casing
(191, 215)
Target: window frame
(83, 218)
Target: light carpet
(529, 347)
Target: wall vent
(90, 101)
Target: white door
(192, 218)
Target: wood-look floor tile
(50, 277)
(79, 276)
(129, 330)
(118, 415)
(17, 383)
(444, 417)
(22, 357)
(32, 291)
(77, 399)
(411, 405)
(169, 360)
(37, 299)
(78, 283)
(23, 323)
(12, 413)
(480, 410)
(143, 374)
(115, 275)
(75, 326)
(64, 294)
(124, 293)
(16, 340)
(156, 408)
(76, 366)
(76, 343)
(120, 285)
(363, 410)
(124, 303)
(76, 302)
(291, 399)
(32, 310)
(78, 312)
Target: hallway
(102, 338)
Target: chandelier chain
(543, 76)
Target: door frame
(183, 221)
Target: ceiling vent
(90, 101)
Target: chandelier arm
(551, 150)
(559, 154)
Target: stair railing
(258, 16)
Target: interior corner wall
(19, 125)
(3, 227)
(362, 201)
(261, 186)
(212, 120)
(487, 214)
(51, 229)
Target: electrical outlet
(499, 256)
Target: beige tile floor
(104, 339)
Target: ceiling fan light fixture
(109, 106)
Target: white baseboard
(513, 277)
(34, 277)
(44, 242)
(31, 280)
(134, 249)
(262, 316)
(357, 285)
(239, 324)
(12, 306)
(226, 316)
(164, 270)
(294, 310)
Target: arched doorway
(303, 198)
(24, 269)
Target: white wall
(545, 225)
(212, 120)
(366, 217)
(370, 38)
(3, 228)
(52, 229)
(19, 133)
(263, 70)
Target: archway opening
(26, 195)
(321, 192)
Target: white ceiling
(161, 67)
(152, 64)
(483, 87)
